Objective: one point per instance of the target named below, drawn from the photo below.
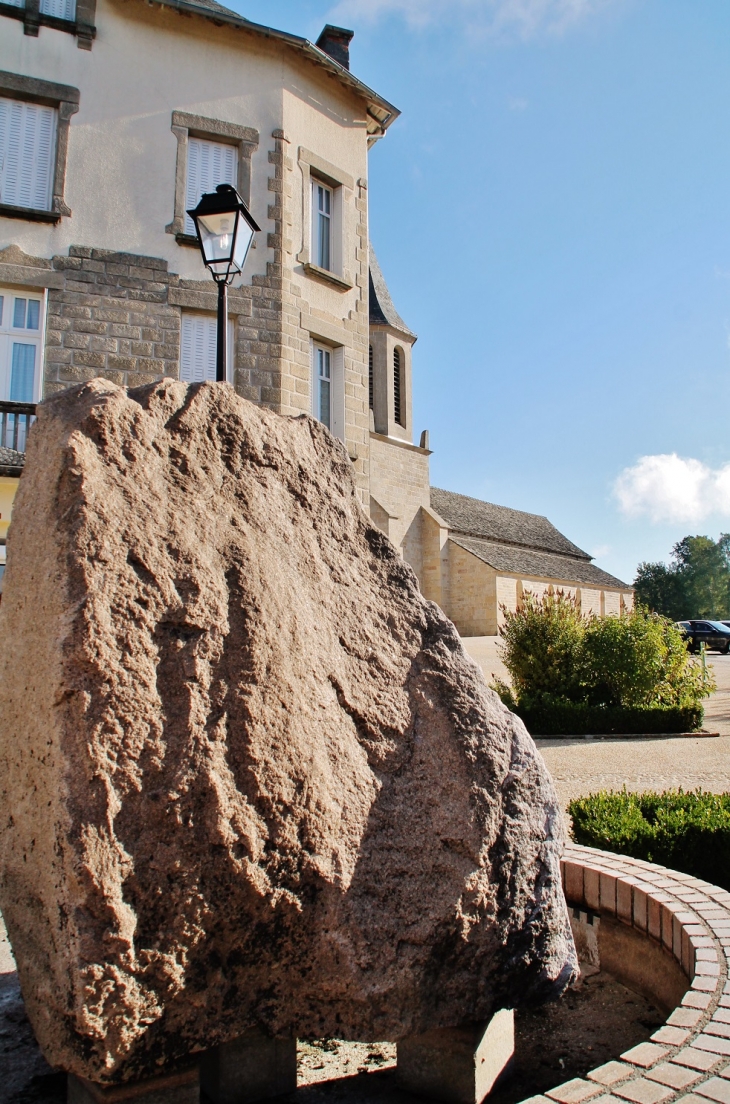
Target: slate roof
(11, 462)
(382, 311)
(527, 561)
(380, 113)
(475, 518)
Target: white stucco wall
(145, 63)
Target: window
(371, 378)
(209, 152)
(35, 117)
(398, 412)
(209, 164)
(323, 384)
(198, 344)
(27, 148)
(328, 387)
(322, 214)
(76, 17)
(61, 9)
(21, 320)
(328, 250)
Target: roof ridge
(536, 561)
(475, 517)
(583, 558)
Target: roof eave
(380, 113)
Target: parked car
(713, 634)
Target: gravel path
(583, 766)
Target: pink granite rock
(249, 775)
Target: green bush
(639, 659)
(583, 719)
(686, 831)
(542, 647)
(575, 675)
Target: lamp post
(225, 229)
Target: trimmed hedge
(582, 719)
(686, 831)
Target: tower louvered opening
(370, 376)
(398, 412)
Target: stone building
(115, 116)
(485, 557)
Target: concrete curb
(635, 736)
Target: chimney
(335, 41)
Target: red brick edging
(689, 1058)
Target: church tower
(399, 475)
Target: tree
(695, 584)
(660, 589)
(702, 565)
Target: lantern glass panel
(244, 237)
(217, 235)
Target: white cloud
(600, 551)
(672, 488)
(523, 17)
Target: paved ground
(581, 766)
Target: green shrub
(686, 831)
(542, 645)
(639, 659)
(575, 675)
(583, 719)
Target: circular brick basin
(667, 935)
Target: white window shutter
(62, 9)
(209, 164)
(197, 348)
(27, 146)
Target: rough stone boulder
(249, 775)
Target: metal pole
(220, 355)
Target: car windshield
(719, 626)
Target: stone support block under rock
(252, 1067)
(182, 1087)
(459, 1065)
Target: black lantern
(225, 229)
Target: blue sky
(551, 215)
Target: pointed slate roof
(382, 311)
(528, 561)
(475, 518)
(515, 541)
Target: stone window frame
(66, 100)
(32, 18)
(185, 126)
(313, 167)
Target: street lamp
(225, 229)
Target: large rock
(249, 775)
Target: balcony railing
(15, 421)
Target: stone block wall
(399, 485)
(111, 317)
(472, 598)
